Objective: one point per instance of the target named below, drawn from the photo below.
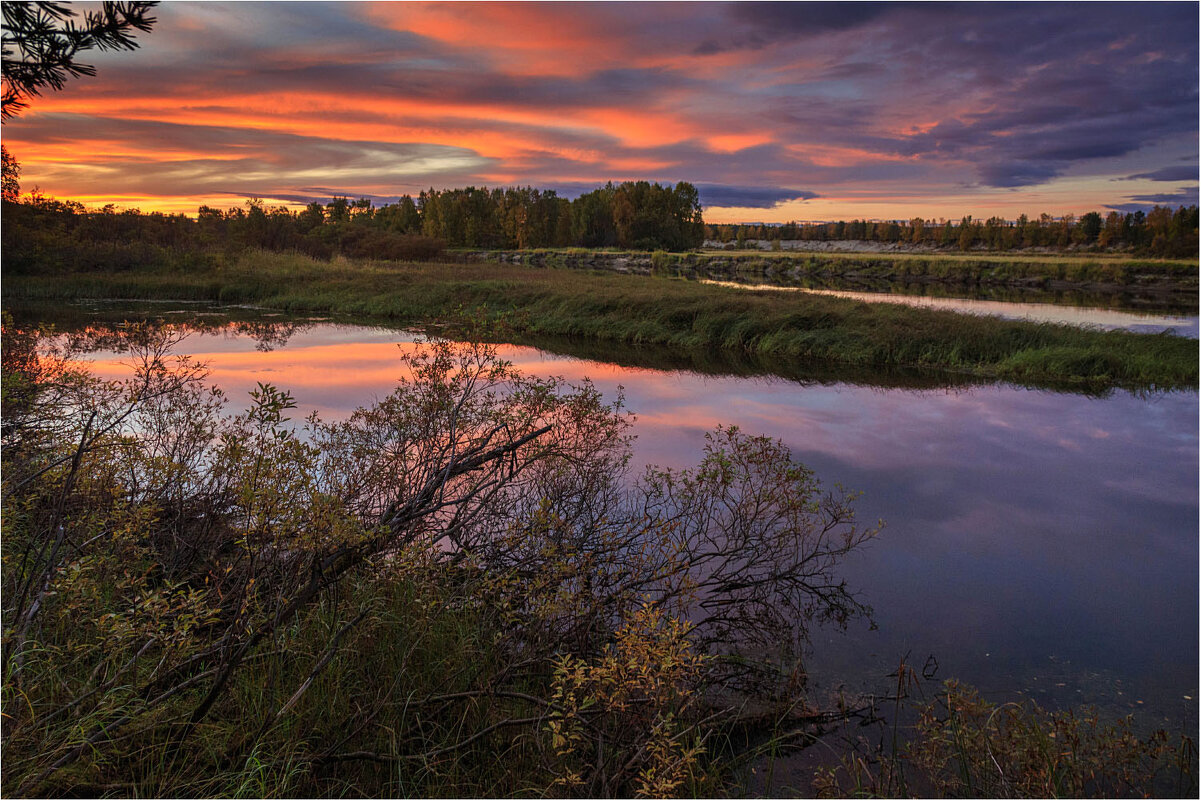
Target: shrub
(963, 747)
(182, 588)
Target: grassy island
(631, 309)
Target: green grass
(1112, 271)
(592, 306)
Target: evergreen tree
(41, 42)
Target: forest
(1161, 232)
(635, 215)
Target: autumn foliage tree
(10, 188)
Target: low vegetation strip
(649, 310)
(1062, 271)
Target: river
(1140, 321)
(1038, 544)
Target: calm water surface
(1037, 543)
(1105, 318)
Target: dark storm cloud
(809, 18)
(1010, 174)
(1184, 197)
(618, 87)
(1023, 146)
(1109, 86)
(1064, 83)
(764, 23)
(1186, 173)
(751, 197)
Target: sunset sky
(775, 111)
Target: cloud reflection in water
(1024, 527)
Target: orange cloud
(547, 93)
(538, 38)
(402, 120)
(729, 143)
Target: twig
(428, 755)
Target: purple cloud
(1185, 197)
(751, 197)
(1186, 173)
(906, 100)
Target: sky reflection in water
(1140, 322)
(1036, 542)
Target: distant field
(603, 307)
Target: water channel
(1126, 318)
(1038, 544)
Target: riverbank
(635, 309)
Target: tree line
(635, 214)
(1160, 232)
(632, 215)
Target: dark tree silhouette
(42, 41)
(10, 185)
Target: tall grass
(600, 307)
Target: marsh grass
(790, 328)
(1014, 268)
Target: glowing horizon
(777, 112)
